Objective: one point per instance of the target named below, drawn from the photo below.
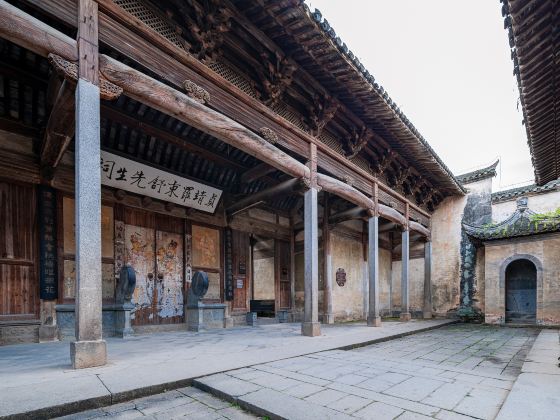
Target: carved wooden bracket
(211, 21)
(356, 141)
(69, 70)
(194, 91)
(383, 164)
(276, 77)
(348, 180)
(321, 111)
(269, 135)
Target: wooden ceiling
(534, 36)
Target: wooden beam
(257, 172)
(30, 33)
(350, 214)
(88, 44)
(120, 117)
(172, 102)
(286, 187)
(345, 191)
(60, 130)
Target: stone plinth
(311, 329)
(86, 354)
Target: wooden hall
(239, 138)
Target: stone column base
(427, 315)
(374, 321)
(48, 333)
(310, 329)
(328, 319)
(85, 354)
(405, 316)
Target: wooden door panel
(283, 270)
(140, 254)
(19, 285)
(241, 267)
(169, 278)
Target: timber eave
(534, 41)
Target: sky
(447, 65)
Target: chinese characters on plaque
(128, 175)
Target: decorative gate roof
(523, 222)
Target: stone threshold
(109, 398)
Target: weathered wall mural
(139, 245)
(169, 283)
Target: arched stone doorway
(521, 291)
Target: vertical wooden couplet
(373, 318)
(405, 311)
(310, 326)
(89, 349)
(328, 317)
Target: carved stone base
(85, 354)
(374, 321)
(427, 314)
(310, 329)
(405, 316)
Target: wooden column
(328, 317)
(310, 326)
(373, 319)
(427, 312)
(405, 314)
(293, 269)
(89, 349)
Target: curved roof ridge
(479, 174)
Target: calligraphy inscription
(125, 174)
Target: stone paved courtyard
(187, 402)
(455, 372)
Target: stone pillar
(328, 317)
(373, 319)
(89, 349)
(405, 314)
(310, 326)
(427, 312)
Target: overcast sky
(446, 63)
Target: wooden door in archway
(521, 291)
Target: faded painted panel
(69, 287)
(69, 224)
(206, 247)
(214, 286)
(263, 278)
(140, 247)
(169, 283)
(108, 281)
